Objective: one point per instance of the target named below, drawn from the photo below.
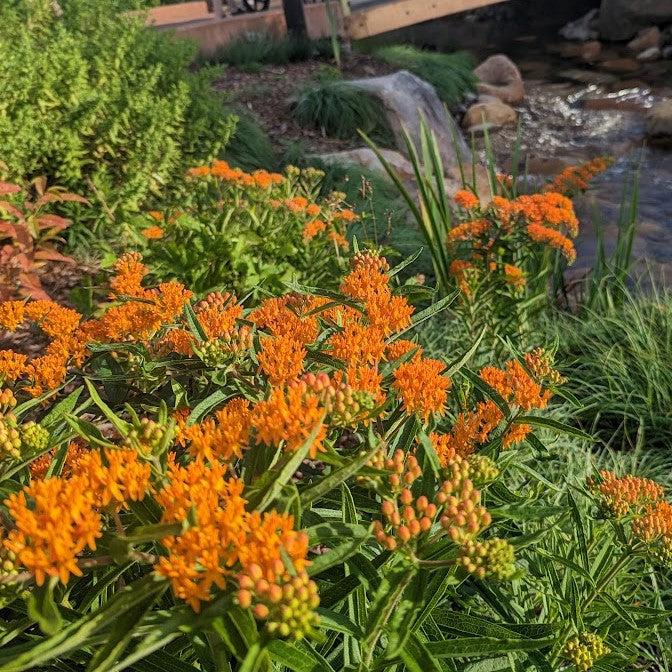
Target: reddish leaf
(7, 230)
(52, 255)
(31, 286)
(9, 188)
(53, 222)
(55, 197)
(12, 210)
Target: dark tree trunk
(294, 17)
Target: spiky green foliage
(451, 74)
(339, 109)
(250, 147)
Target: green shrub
(340, 110)
(250, 147)
(98, 103)
(451, 74)
(252, 232)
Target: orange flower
(422, 388)
(296, 203)
(55, 521)
(46, 372)
(11, 314)
(577, 178)
(179, 341)
(217, 313)
(129, 273)
(264, 179)
(543, 234)
(288, 316)
(291, 416)
(54, 320)
(346, 216)
(312, 228)
(12, 365)
(338, 239)
(313, 210)
(469, 230)
(153, 233)
(170, 298)
(516, 386)
(281, 359)
(517, 433)
(121, 478)
(389, 313)
(655, 523)
(625, 494)
(514, 276)
(199, 171)
(358, 345)
(39, 467)
(397, 349)
(459, 269)
(466, 199)
(223, 437)
(367, 279)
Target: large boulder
(406, 100)
(582, 29)
(622, 19)
(488, 113)
(659, 123)
(499, 76)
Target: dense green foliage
(339, 109)
(451, 74)
(101, 105)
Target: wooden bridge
(356, 19)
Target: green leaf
(531, 511)
(580, 532)
(456, 365)
(61, 409)
(356, 535)
(43, 609)
(484, 627)
(120, 425)
(549, 423)
(194, 325)
(208, 404)
(465, 647)
(427, 313)
(417, 657)
(298, 659)
(332, 620)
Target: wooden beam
(294, 17)
(401, 13)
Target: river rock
(489, 113)
(659, 123)
(588, 76)
(646, 38)
(582, 29)
(406, 100)
(650, 54)
(621, 65)
(621, 19)
(584, 51)
(498, 76)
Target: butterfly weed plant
(195, 484)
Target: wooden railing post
(294, 17)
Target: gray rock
(659, 123)
(621, 19)
(499, 76)
(582, 29)
(406, 100)
(365, 157)
(667, 52)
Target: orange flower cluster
(577, 178)
(290, 415)
(626, 494)
(12, 365)
(223, 171)
(221, 437)
(218, 313)
(224, 534)
(547, 236)
(312, 228)
(281, 359)
(39, 467)
(466, 199)
(422, 387)
(12, 314)
(463, 271)
(514, 276)
(471, 428)
(471, 230)
(58, 518)
(153, 233)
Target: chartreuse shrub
(251, 232)
(199, 485)
(101, 105)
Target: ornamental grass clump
(295, 485)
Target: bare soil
(267, 95)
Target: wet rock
(666, 52)
(582, 29)
(650, 54)
(489, 113)
(406, 100)
(584, 51)
(621, 19)
(499, 76)
(646, 38)
(587, 76)
(621, 65)
(659, 123)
